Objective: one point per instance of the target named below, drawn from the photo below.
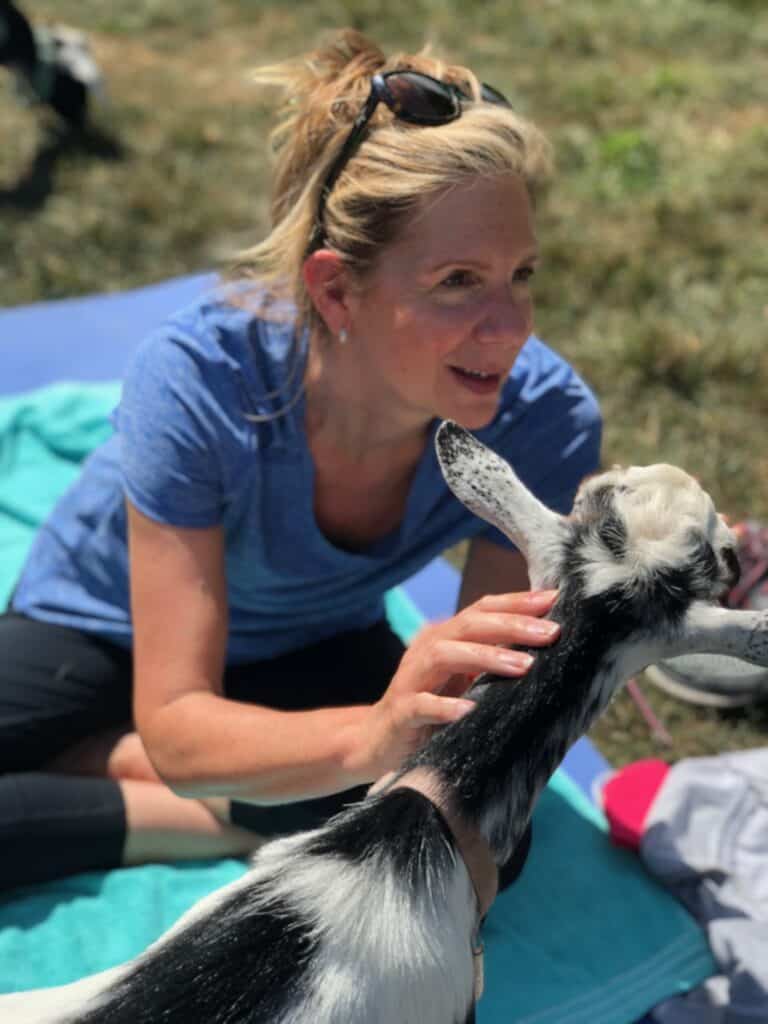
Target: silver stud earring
(343, 336)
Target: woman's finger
(430, 668)
(422, 709)
(526, 602)
(488, 627)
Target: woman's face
(440, 320)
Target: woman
(272, 474)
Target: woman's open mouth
(477, 381)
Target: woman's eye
(458, 279)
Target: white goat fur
(371, 918)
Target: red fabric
(627, 797)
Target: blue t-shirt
(186, 453)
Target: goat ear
(488, 486)
(710, 629)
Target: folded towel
(44, 436)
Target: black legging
(59, 686)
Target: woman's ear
(327, 282)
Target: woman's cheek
(456, 318)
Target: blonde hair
(397, 167)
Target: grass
(655, 273)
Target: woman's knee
(114, 753)
(58, 687)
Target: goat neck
(489, 768)
(640, 565)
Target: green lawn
(654, 279)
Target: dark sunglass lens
(422, 98)
(491, 95)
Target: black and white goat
(373, 918)
(52, 64)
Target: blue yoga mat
(584, 936)
(86, 339)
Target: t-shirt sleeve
(172, 424)
(554, 446)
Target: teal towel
(584, 937)
(44, 436)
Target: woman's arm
(491, 569)
(203, 744)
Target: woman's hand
(438, 668)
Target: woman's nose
(506, 321)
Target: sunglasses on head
(411, 96)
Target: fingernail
(544, 630)
(542, 596)
(462, 708)
(518, 660)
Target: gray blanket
(706, 838)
